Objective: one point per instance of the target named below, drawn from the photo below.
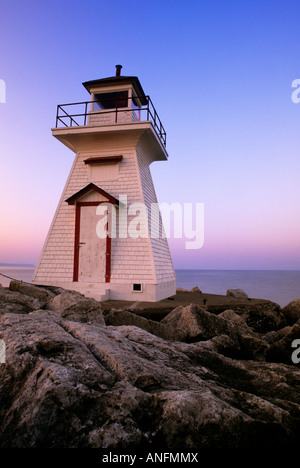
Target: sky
(220, 75)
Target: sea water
(280, 286)
(15, 272)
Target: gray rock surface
(292, 311)
(41, 294)
(16, 302)
(261, 317)
(281, 343)
(73, 380)
(72, 305)
(236, 293)
(123, 317)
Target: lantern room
(115, 100)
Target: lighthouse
(106, 239)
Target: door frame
(79, 205)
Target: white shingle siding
(141, 260)
(160, 249)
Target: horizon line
(31, 265)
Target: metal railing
(85, 114)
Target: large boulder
(198, 324)
(70, 384)
(281, 349)
(292, 311)
(237, 340)
(239, 293)
(72, 305)
(17, 303)
(251, 344)
(120, 317)
(195, 289)
(41, 294)
(262, 317)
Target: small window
(137, 287)
(111, 100)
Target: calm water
(19, 273)
(279, 286)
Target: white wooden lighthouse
(105, 240)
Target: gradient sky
(220, 74)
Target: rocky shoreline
(194, 371)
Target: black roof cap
(118, 79)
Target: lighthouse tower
(105, 240)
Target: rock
(195, 289)
(199, 325)
(70, 384)
(31, 290)
(251, 345)
(72, 305)
(236, 293)
(16, 302)
(74, 378)
(292, 311)
(274, 336)
(265, 317)
(120, 317)
(262, 317)
(281, 349)
(196, 323)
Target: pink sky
(221, 80)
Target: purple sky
(220, 75)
